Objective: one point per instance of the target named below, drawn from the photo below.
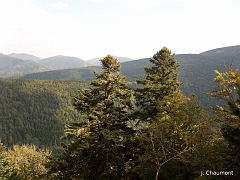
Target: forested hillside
(226, 51)
(85, 73)
(30, 108)
(111, 131)
(196, 71)
(35, 111)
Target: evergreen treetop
(98, 144)
(161, 80)
(108, 96)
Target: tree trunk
(156, 177)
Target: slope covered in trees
(196, 71)
(34, 111)
(84, 74)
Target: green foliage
(35, 112)
(171, 132)
(168, 138)
(78, 74)
(167, 135)
(29, 161)
(228, 89)
(96, 148)
(7, 170)
(196, 71)
(176, 124)
(161, 80)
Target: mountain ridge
(59, 62)
(196, 71)
(229, 50)
(24, 56)
(63, 62)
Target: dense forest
(113, 129)
(35, 111)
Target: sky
(129, 28)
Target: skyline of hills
(6, 61)
(62, 62)
(230, 50)
(13, 65)
(227, 51)
(24, 56)
(196, 71)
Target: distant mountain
(6, 61)
(24, 56)
(11, 66)
(196, 71)
(226, 51)
(63, 62)
(96, 62)
(22, 68)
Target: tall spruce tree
(161, 80)
(175, 123)
(97, 147)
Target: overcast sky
(130, 28)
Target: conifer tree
(175, 123)
(228, 89)
(97, 146)
(161, 80)
(109, 96)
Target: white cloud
(31, 30)
(59, 5)
(89, 15)
(140, 4)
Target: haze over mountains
(63, 62)
(96, 62)
(24, 56)
(19, 64)
(11, 66)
